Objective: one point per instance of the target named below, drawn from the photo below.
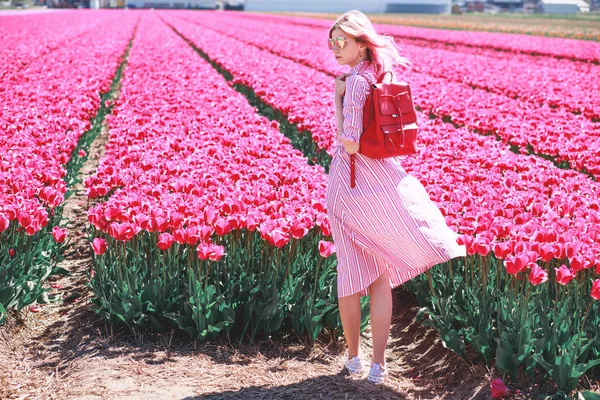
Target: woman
(386, 229)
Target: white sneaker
(355, 365)
(377, 373)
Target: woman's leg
(381, 316)
(350, 314)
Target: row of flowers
(553, 132)
(554, 82)
(191, 173)
(512, 203)
(39, 34)
(49, 109)
(571, 49)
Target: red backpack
(389, 122)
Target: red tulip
(59, 234)
(4, 222)
(499, 389)
(99, 246)
(502, 249)
(210, 252)
(564, 275)
(165, 240)
(326, 248)
(537, 275)
(222, 227)
(595, 293)
(278, 238)
(35, 309)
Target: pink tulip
(35, 309)
(326, 248)
(210, 252)
(499, 389)
(502, 250)
(99, 246)
(59, 234)
(564, 275)
(537, 275)
(241, 173)
(4, 222)
(165, 240)
(595, 293)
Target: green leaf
(587, 395)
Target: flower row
(45, 112)
(36, 35)
(511, 203)
(188, 157)
(572, 49)
(540, 84)
(192, 173)
(553, 132)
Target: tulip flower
(210, 252)
(595, 293)
(165, 240)
(537, 275)
(35, 309)
(564, 275)
(4, 222)
(59, 234)
(499, 389)
(99, 246)
(326, 248)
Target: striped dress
(387, 222)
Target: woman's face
(345, 48)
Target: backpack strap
(371, 86)
(353, 156)
(382, 76)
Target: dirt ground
(66, 352)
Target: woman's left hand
(340, 85)
(350, 146)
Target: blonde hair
(382, 51)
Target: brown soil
(67, 352)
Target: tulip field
(207, 211)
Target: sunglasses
(339, 42)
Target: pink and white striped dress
(387, 222)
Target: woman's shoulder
(365, 73)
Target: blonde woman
(386, 229)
